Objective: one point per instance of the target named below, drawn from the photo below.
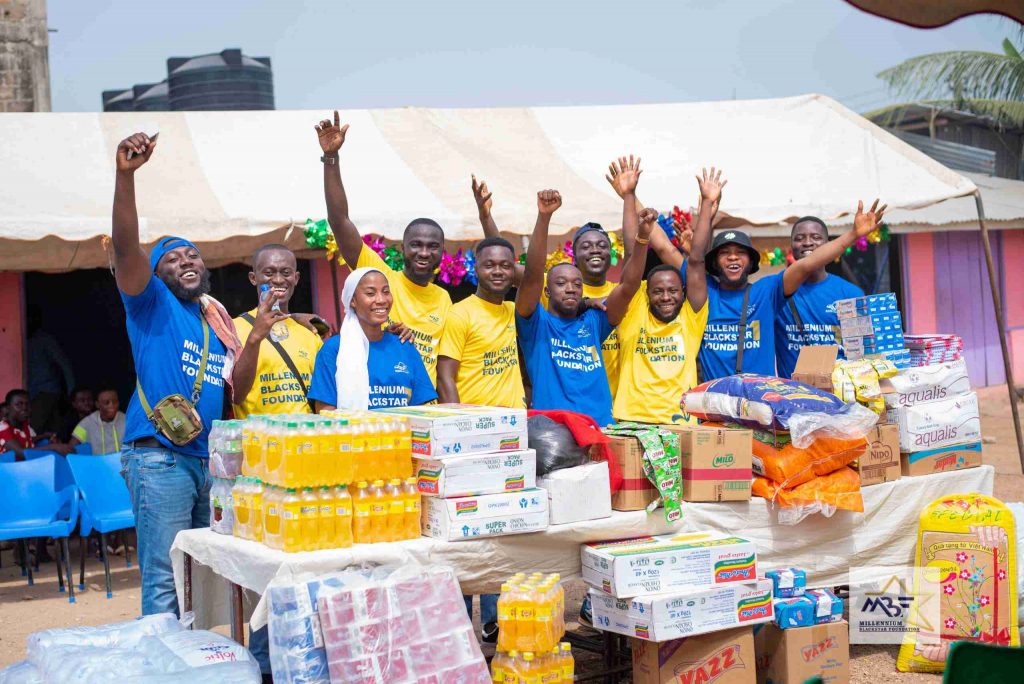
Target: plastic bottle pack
(222, 511)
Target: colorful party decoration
(452, 269)
(320, 236)
(469, 261)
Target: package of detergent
(763, 402)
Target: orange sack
(791, 466)
(840, 488)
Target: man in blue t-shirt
(815, 301)
(561, 346)
(168, 484)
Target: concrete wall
(24, 56)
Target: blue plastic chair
(106, 505)
(7, 457)
(84, 448)
(32, 508)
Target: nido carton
(476, 474)
(922, 384)
(725, 657)
(814, 366)
(492, 515)
(955, 457)
(667, 563)
(793, 656)
(450, 429)
(670, 616)
(715, 462)
(576, 494)
(937, 424)
(636, 491)
(881, 462)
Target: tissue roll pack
(397, 626)
(297, 654)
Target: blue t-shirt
(816, 304)
(166, 335)
(718, 348)
(563, 356)
(397, 374)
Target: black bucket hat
(731, 237)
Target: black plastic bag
(555, 446)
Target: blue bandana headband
(166, 245)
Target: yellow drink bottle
(292, 448)
(327, 450)
(498, 666)
(291, 521)
(378, 512)
(326, 523)
(506, 619)
(249, 441)
(529, 673)
(525, 618)
(513, 667)
(412, 508)
(310, 462)
(404, 445)
(361, 505)
(559, 606)
(346, 466)
(342, 517)
(357, 430)
(240, 498)
(543, 630)
(372, 453)
(271, 517)
(566, 662)
(395, 448)
(309, 516)
(396, 510)
(256, 510)
(272, 452)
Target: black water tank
(227, 80)
(152, 97)
(118, 100)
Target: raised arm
(863, 224)
(332, 137)
(528, 295)
(696, 272)
(243, 375)
(633, 270)
(660, 243)
(484, 200)
(131, 266)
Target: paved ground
(26, 609)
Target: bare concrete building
(24, 56)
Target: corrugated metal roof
(953, 155)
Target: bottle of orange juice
(358, 431)
(271, 517)
(345, 468)
(309, 515)
(513, 667)
(327, 451)
(378, 512)
(396, 510)
(543, 627)
(506, 619)
(291, 521)
(272, 451)
(326, 523)
(411, 496)
(566, 662)
(529, 673)
(525, 617)
(250, 444)
(404, 448)
(342, 518)
(310, 454)
(291, 468)
(362, 502)
(374, 467)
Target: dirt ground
(25, 609)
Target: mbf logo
(891, 606)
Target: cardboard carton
(814, 366)
(665, 617)
(955, 457)
(725, 657)
(871, 324)
(637, 491)
(793, 656)
(492, 515)
(476, 474)
(576, 494)
(937, 424)
(881, 462)
(667, 563)
(451, 429)
(715, 462)
(926, 383)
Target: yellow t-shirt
(275, 389)
(422, 308)
(610, 347)
(657, 361)
(482, 337)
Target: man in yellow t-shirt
(592, 255)
(419, 304)
(263, 381)
(478, 360)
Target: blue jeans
(488, 608)
(259, 647)
(170, 492)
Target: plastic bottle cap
(378, 483)
(292, 424)
(513, 653)
(309, 424)
(411, 480)
(506, 587)
(395, 482)
(360, 485)
(565, 646)
(528, 656)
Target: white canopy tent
(232, 180)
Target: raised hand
(332, 136)
(482, 196)
(141, 147)
(711, 185)
(866, 222)
(624, 176)
(684, 234)
(548, 201)
(267, 316)
(648, 219)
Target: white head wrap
(353, 374)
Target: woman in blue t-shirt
(363, 366)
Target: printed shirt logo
(730, 236)
(279, 332)
(583, 331)
(434, 318)
(400, 367)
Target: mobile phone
(152, 139)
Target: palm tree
(985, 83)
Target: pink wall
(12, 332)
(919, 282)
(323, 295)
(1013, 297)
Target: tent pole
(997, 303)
(337, 295)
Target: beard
(187, 293)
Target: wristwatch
(329, 159)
